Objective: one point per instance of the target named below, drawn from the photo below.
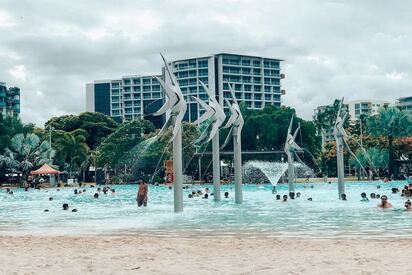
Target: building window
(246, 71)
(256, 71)
(202, 63)
(146, 81)
(256, 63)
(245, 62)
(203, 72)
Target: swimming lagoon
(259, 215)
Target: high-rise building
(404, 104)
(355, 108)
(126, 98)
(256, 81)
(365, 107)
(9, 100)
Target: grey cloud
(360, 49)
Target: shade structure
(45, 170)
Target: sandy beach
(201, 255)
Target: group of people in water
(202, 195)
(142, 195)
(384, 203)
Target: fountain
(273, 171)
(235, 123)
(256, 171)
(214, 113)
(176, 105)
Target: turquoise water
(260, 214)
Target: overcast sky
(357, 49)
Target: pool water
(259, 215)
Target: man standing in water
(384, 202)
(142, 194)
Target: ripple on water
(260, 214)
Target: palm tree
(72, 149)
(390, 123)
(26, 152)
(90, 160)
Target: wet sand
(200, 255)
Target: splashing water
(260, 171)
(256, 171)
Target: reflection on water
(260, 214)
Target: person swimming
(364, 197)
(51, 198)
(205, 196)
(310, 199)
(343, 197)
(298, 195)
(96, 195)
(190, 196)
(384, 202)
(285, 198)
(408, 205)
(65, 206)
(292, 195)
(277, 197)
(226, 195)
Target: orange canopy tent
(45, 170)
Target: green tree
(325, 119)
(126, 137)
(25, 153)
(11, 126)
(93, 126)
(72, 149)
(390, 123)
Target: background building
(127, 98)
(256, 81)
(365, 107)
(9, 100)
(404, 104)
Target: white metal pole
(178, 171)
(237, 148)
(340, 166)
(216, 167)
(291, 172)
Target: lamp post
(50, 134)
